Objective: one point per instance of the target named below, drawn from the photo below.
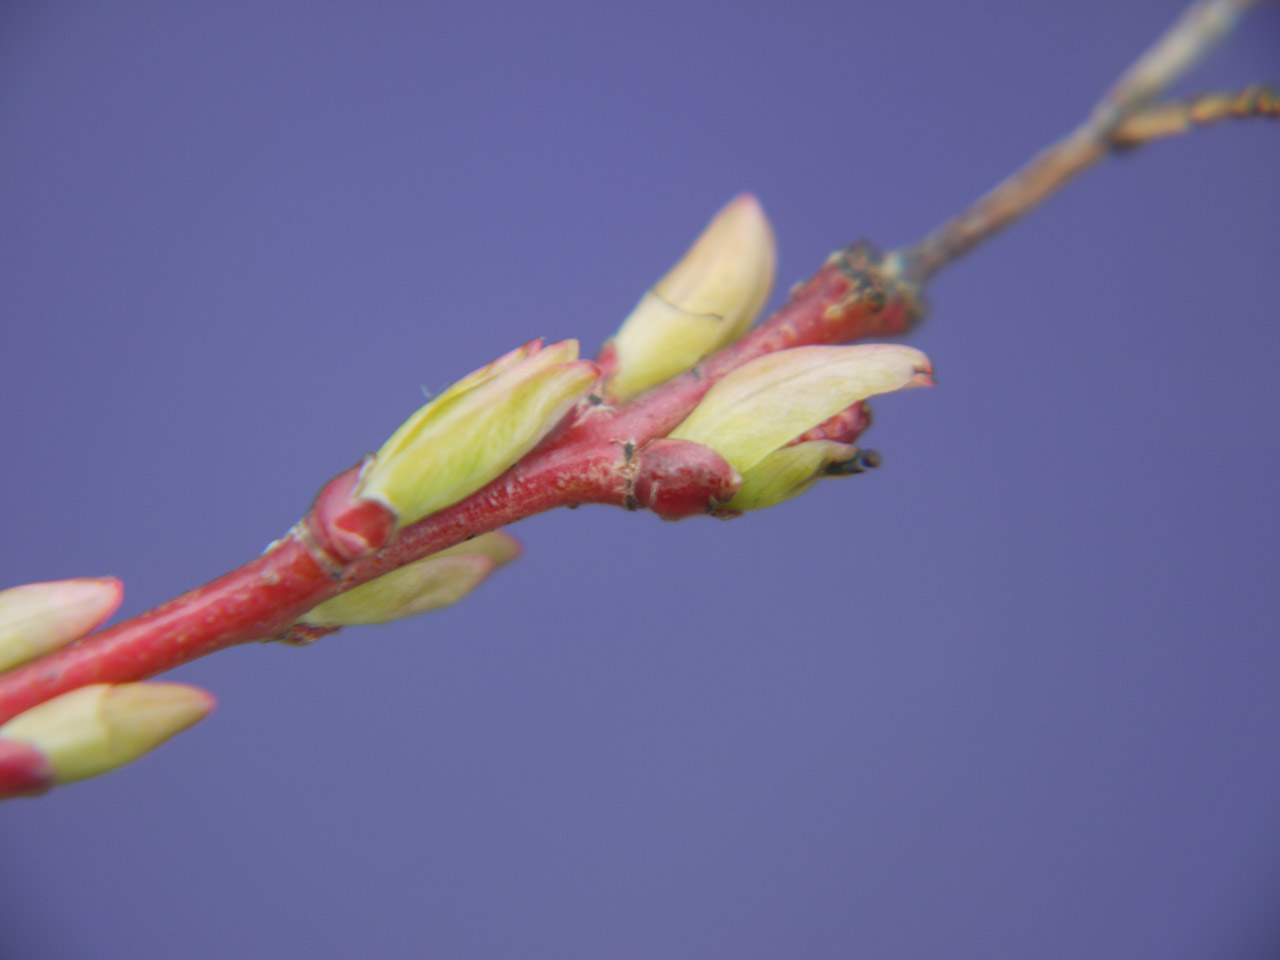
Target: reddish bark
(24, 770)
(602, 454)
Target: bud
(789, 472)
(476, 430)
(677, 479)
(752, 415)
(705, 301)
(38, 617)
(433, 582)
(100, 727)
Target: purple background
(1013, 695)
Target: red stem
(24, 770)
(597, 457)
(246, 604)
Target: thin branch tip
(1127, 116)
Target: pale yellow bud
(100, 727)
(38, 617)
(427, 584)
(707, 300)
(787, 473)
(765, 404)
(476, 430)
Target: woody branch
(650, 425)
(602, 455)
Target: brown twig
(1107, 128)
(1176, 117)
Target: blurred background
(1014, 694)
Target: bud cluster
(755, 414)
(763, 432)
(94, 728)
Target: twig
(618, 455)
(1180, 116)
(599, 456)
(1195, 33)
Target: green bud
(707, 300)
(765, 404)
(36, 618)
(476, 430)
(787, 473)
(97, 728)
(433, 582)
